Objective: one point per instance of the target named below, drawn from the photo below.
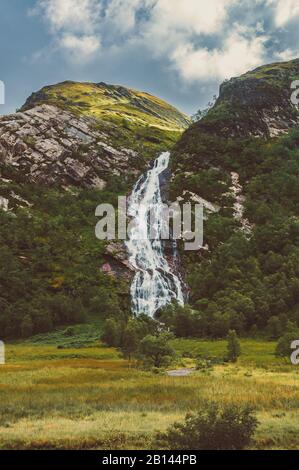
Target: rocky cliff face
(75, 134)
(257, 103)
(89, 141)
(49, 146)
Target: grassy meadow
(63, 392)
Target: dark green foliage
(27, 327)
(233, 346)
(183, 321)
(245, 278)
(126, 334)
(130, 340)
(50, 262)
(111, 333)
(155, 351)
(274, 327)
(140, 338)
(283, 348)
(212, 428)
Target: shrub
(283, 347)
(111, 332)
(155, 351)
(212, 428)
(233, 346)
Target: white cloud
(74, 25)
(237, 55)
(285, 11)
(177, 31)
(192, 16)
(287, 54)
(122, 13)
(73, 15)
(80, 48)
(199, 39)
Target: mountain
(86, 134)
(110, 103)
(242, 162)
(71, 147)
(255, 104)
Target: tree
(201, 113)
(183, 321)
(111, 333)
(274, 327)
(212, 428)
(156, 350)
(283, 347)
(233, 346)
(130, 339)
(27, 327)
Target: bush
(233, 346)
(155, 351)
(111, 333)
(283, 347)
(212, 428)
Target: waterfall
(155, 283)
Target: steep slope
(255, 104)
(242, 159)
(86, 134)
(71, 147)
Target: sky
(179, 50)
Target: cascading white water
(155, 284)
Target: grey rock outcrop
(50, 146)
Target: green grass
(113, 103)
(256, 353)
(89, 397)
(130, 118)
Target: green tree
(212, 428)
(283, 347)
(233, 346)
(274, 327)
(27, 327)
(156, 350)
(130, 340)
(111, 332)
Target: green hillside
(111, 103)
(244, 158)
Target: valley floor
(90, 398)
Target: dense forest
(248, 279)
(50, 263)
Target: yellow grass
(91, 398)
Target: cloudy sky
(180, 50)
